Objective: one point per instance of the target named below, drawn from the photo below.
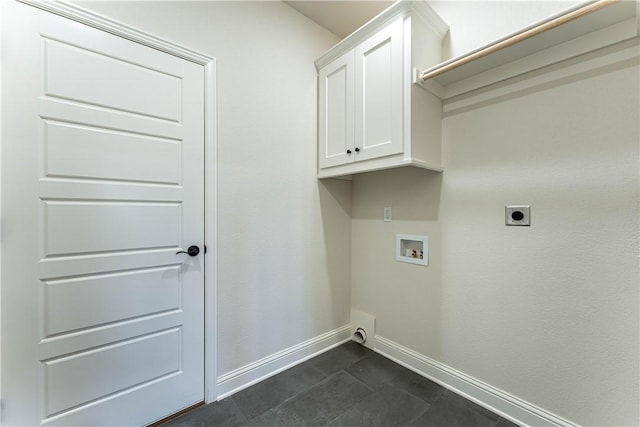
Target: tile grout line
(317, 384)
(239, 408)
(306, 365)
(372, 392)
(414, 419)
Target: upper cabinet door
(335, 118)
(378, 92)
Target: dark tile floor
(348, 386)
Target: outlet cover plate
(387, 214)
(519, 215)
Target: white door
(102, 183)
(335, 112)
(378, 93)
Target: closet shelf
(577, 31)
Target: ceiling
(340, 17)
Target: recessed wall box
(412, 249)
(517, 215)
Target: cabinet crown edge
(399, 8)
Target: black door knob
(191, 251)
(348, 151)
(357, 150)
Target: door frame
(92, 19)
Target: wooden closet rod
(556, 22)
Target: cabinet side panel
(426, 44)
(426, 127)
(426, 109)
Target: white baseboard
(245, 376)
(497, 401)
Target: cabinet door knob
(357, 150)
(348, 151)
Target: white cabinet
(371, 115)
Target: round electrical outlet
(517, 215)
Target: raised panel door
(378, 94)
(102, 322)
(335, 118)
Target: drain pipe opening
(360, 336)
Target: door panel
(83, 227)
(336, 112)
(99, 80)
(377, 93)
(102, 183)
(98, 298)
(73, 151)
(378, 102)
(73, 381)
